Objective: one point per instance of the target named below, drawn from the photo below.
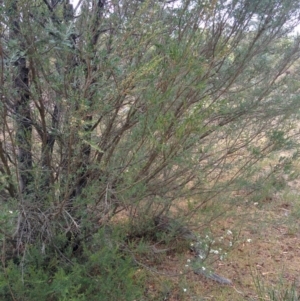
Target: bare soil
(264, 255)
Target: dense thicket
(144, 108)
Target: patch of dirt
(265, 252)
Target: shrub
(101, 272)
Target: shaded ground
(264, 257)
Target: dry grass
(265, 248)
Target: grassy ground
(262, 243)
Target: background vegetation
(116, 112)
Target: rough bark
(22, 110)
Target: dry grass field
(262, 242)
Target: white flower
(230, 244)
(203, 268)
(186, 265)
(229, 232)
(184, 289)
(249, 240)
(188, 260)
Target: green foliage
(140, 108)
(279, 292)
(101, 273)
(136, 114)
